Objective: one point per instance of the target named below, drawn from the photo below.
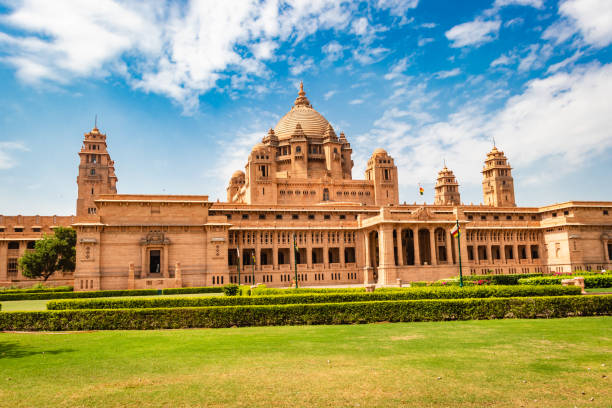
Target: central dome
(312, 122)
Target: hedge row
(72, 295)
(262, 290)
(38, 290)
(202, 289)
(590, 281)
(307, 298)
(500, 279)
(321, 313)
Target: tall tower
(382, 170)
(447, 188)
(96, 173)
(497, 182)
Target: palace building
(296, 203)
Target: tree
(55, 252)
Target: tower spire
(301, 100)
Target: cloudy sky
(184, 89)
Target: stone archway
(424, 247)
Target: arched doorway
(440, 241)
(424, 247)
(408, 246)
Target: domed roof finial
(301, 100)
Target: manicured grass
(33, 305)
(598, 290)
(501, 363)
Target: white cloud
(397, 69)
(447, 74)
(514, 22)
(302, 64)
(333, 51)
(563, 119)
(536, 58)
(565, 63)
(398, 8)
(7, 161)
(503, 60)
(593, 18)
(329, 94)
(424, 41)
(356, 101)
(177, 49)
(473, 33)
(532, 3)
(429, 25)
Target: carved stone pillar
(417, 247)
(432, 245)
(400, 247)
(275, 250)
(131, 283)
(449, 249)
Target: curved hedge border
(593, 281)
(263, 291)
(408, 294)
(321, 313)
(105, 293)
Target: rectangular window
(483, 217)
(605, 212)
(11, 267)
(262, 216)
(294, 216)
(326, 217)
(311, 216)
(35, 229)
(229, 216)
(18, 229)
(565, 212)
(279, 216)
(342, 216)
(245, 216)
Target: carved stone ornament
(155, 238)
(422, 213)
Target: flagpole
(459, 250)
(253, 269)
(295, 261)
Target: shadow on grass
(16, 350)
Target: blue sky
(184, 90)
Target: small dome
(238, 174)
(259, 146)
(379, 151)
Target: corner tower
(382, 170)
(447, 188)
(96, 173)
(497, 182)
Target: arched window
(298, 149)
(325, 194)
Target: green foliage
(244, 290)
(307, 298)
(262, 290)
(72, 295)
(52, 253)
(38, 288)
(500, 279)
(202, 289)
(590, 281)
(300, 314)
(230, 289)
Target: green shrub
(230, 289)
(244, 290)
(500, 279)
(261, 290)
(202, 289)
(72, 295)
(590, 281)
(304, 298)
(38, 288)
(300, 314)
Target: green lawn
(498, 363)
(598, 290)
(29, 305)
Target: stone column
(4, 260)
(432, 245)
(515, 252)
(341, 246)
(368, 271)
(417, 247)
(309, 249)
(131, 282)
(367, 248)
(386, 258)
(178, 275)
(325, 243)
(604, 242)
(449, 248)
(165, 273)
(400, 247)
(143, 262)
(257, 238)
(274, 250)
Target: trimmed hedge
(72, 295)
(307, 298)
(38, 290)
(590, 281)
(500, 279)
(262, 290)
(321, 313)
(202, 289)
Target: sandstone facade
(297, 203)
